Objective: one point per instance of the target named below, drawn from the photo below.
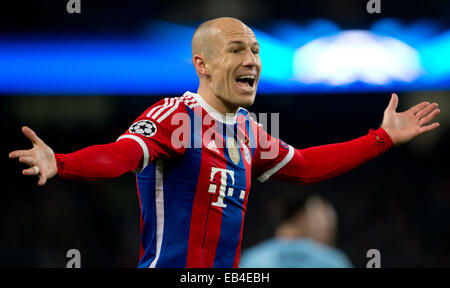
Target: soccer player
(304, 238)
(195, 155)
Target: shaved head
(201, 41)
(206, 36)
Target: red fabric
(112, 160)
(323, 162)
(168, 141)
(100, 161)
(269, 150)
(308, 165)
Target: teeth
(246, 77)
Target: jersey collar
(227, 119)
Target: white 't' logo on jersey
(223, 186)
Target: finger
(425, 111)
(428, 128)
(427, 119)
(419, 107)
(42, 180)
(31, 135)
(20, 153)
(31, 171)
(393, 103)
(27, 160)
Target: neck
(289, 232)
(215, 101)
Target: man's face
(235, 66)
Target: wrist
(384, 136)
(388, 132)
(59, 164)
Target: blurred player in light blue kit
(304, 239)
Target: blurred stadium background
(328, 70)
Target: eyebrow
(241, 43)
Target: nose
(250, 59)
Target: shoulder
(259, 256)
(169, 106)
(328, 255)
(263, 249)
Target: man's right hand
(40, 158)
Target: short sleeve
(161, 131)
(271, 154)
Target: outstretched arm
(133, 151)
(91, 163)
(320, 163)
(323, 162)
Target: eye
(235, 51)
(255, 51)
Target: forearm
(100, 161)
(319, 163)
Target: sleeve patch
(144, 127)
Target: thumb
(393, 103)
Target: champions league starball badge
(144, 127)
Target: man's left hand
(404, 126)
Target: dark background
(398, 203)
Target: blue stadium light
(435, 56)
(296, 35)
(317, 57)
(276, 58)
(356, 55)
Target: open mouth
(246, 81)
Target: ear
(200, 65)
